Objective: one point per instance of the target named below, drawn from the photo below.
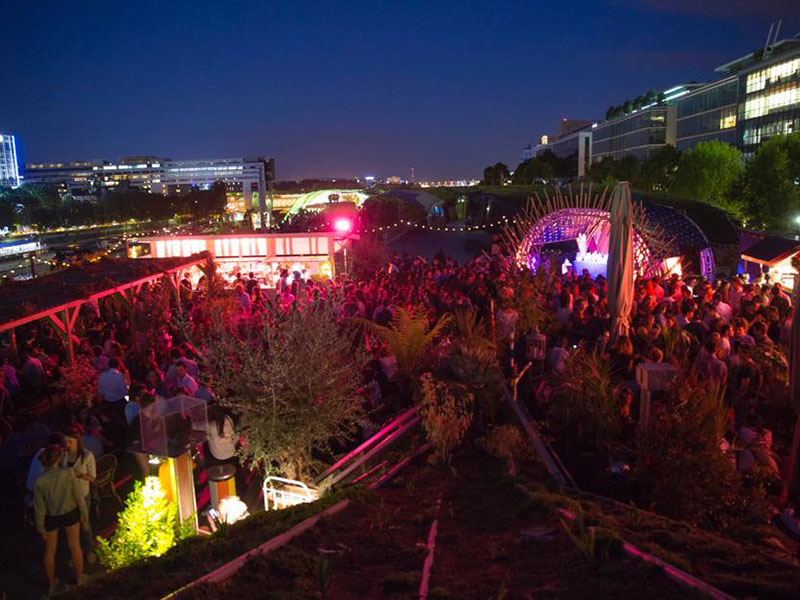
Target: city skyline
(446, 90)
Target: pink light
(343, 225)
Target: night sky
(337, 89)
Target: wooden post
(65, 316)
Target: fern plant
(408, 338)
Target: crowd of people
(143, 358)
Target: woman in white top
(221, 436)
(82, 464)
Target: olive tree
(293, 380)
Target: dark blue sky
(347, 88)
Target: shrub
(584, 403)
(148, 526)
(682, 471)
(446, 410)
(507, 442)
(80, 383)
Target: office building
(639, 134)
(9, 167)
(245, 178)
(769, 92)
(242, 176)
(708, 113)
(756, 97)
(87, 179)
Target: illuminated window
(727, 118)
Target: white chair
(282, 492)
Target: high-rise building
(575, 148)
(9, 167)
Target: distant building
(9, 167)
(244, 178)
(568, 126)
(527, 153)
(575, 149)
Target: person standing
(58, 504)
(82, 463)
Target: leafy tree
(610, 170)
(659, 171)
(530, 170)
(772, 183)
(708, 172)
(496, 174)
(293, 383)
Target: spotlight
(343, 225)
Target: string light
(445, 228)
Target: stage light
(343, 225)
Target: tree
(530, 170)
(659, 170)
(708, 172)
(772, 183)
(496, 174)
(293, 382)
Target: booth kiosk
(653, 378)
(169, 430)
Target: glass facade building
(638, 134)
(708, 113)
(770, 93)
(9, 167)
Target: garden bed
(154, 578)
(740, 570)
(373, 549)
(377, 546)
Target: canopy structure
(662, 236)
(58, 297)
(321, 198)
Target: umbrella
(620, 261)
(794, 389)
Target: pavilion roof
(33, 299)
(771, 250)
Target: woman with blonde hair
(58, 503)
